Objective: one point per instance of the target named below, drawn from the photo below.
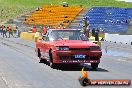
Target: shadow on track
(79, 68)
(89, 68)
(72, 67)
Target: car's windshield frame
(76, 34)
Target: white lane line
(6, 83)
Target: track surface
(20, 68)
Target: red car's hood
(74, 43)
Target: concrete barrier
(28, 36)
(92, 39)
(101, 35)
(116, 38)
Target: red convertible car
(67, 46)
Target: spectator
(18, 32)
(4, 32)
(97, 35)
(61, 24)
(25, 19)
(93, 32)
(10, 31)
(86, 26)
(2, 27)
(37, 9)
(65, 16)
(34, 29)
(1, 30)
(98, 30)
(44, 30)
(36, 36)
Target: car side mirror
(44, 37)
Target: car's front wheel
(94, 65)
(51, 64)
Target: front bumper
(67, 56)
(76, 61)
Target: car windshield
(67, 35)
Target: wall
(125, 39)
(29, 36)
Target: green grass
(13, 8)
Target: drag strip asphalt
(20, 68)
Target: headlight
(94, 48)
(62, 48)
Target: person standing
(34, 29)
(18, 32)
(97, 35)
(93, 32)
(86, 26)
(4, 32)
(1, 30)
(44, 30)
(36, 36)
(10, 31)
(2, 27)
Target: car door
(47, 45)
(44, 46)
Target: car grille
(72, 58)
(94, 58)
(84, 49)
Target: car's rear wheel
(38, 53)
(51, 64)
(94, 65)
(42, 60)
